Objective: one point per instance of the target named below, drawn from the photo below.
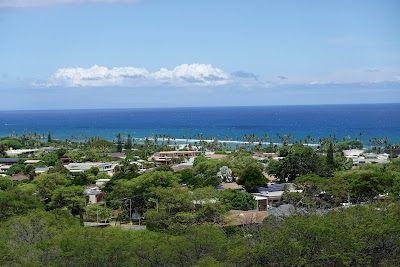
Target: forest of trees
(41, 219)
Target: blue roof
(9, 160)
(272, 188)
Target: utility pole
(130, 210)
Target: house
(352, 153)
(269, 196)
(368, 158)
(263, 156)
(49, 149)
(4, 168)
(95, 195)
(41, 170)
(19, 177)
(117, 156)
(83, 167)
(392, 152)
(31, 161)
(233, 185)
(101, 182)
(165, 157)
(64, 159)
(182, 166)
(243, 217)
(9, 161)
(17, 152)
(212, 155)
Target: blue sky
(148, 53)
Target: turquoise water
(343, 121)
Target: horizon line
(184, 107)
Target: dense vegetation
(41, 219)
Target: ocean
(232, 123)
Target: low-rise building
(360, 158)
(83, 167)
(95, 195)
(245, 217)
(9, 161)
(166, 157)
(18, 152)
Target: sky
(70, 54)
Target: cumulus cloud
(36, 3)
(98, 76)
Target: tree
(2, 150)
(329, 156)
(16, 168)
(119, 143)
(47, 183)
(225, 174)
(236, 200)
(365, 185)
(198, 160)
(50, 158)
(141, 188)
(251, 179)
(128, 144)
(49, 138)
(17, 201)
(175, 210)
(11, 143)
(164, 168)
(71, 197)
(300, 161)
(5, 183)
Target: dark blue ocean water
(373, 120)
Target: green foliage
(283, 151)
(207, 171)
(141, 188)
(98, 211)
(352, 144)
(46, 184)
(128, 144)
(164, 168)
(50, 159)
(365, 185)
(8, 143)
(17, 201)
(175, 208)
(300, 161)
(119, 143)
(49, 138)
(2, 149)
(329, 156)
(16, 168)
(72, 197)
(198, 160)
(293, 198)
(251, 179)
(354, 236)
(99, 145)
(341, 163)
(5, 183)
(236, 200)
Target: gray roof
(9, 160)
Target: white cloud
(36, 3)
(200, 75)
(98, 76)
(197, 74)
